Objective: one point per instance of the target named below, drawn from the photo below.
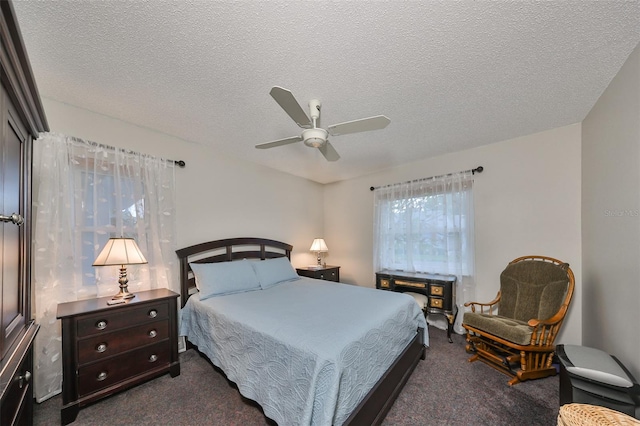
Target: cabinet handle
(153, 313)
(14, 218)
(101, 347)
(321, 276)
(24, 379)
(102, 376)
(101, 325)
(153, 333)
(153, 358)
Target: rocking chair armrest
(559, 316)
(482, 305)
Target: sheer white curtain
(427, 226)
(83, 194)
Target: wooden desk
(439, 289)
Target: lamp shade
(319, 246)
(120, 251)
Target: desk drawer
(110, 344)
(412, 284)
(103, 374)
(110, 321)
(436, 290)
(436, 302)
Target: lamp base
(123, 295)
(124, 289)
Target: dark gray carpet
(444, 390)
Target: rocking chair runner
(515, 332)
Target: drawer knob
(24, 379)
(102, 376)
(153, 313)
(153, 358)
(153, 333)
(101, 347)
(101, 325)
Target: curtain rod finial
(478, 169)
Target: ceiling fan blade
(362, 125)
(329, 152)
(279, 142)
(290, 105)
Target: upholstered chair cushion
(532, 290)
(509, 329)
(528, 290)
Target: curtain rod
(478, 169)
(178, 163)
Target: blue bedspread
(307, 351)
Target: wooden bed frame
(376, 404)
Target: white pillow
(274, 271)
(218, 279)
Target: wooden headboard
(225, 250)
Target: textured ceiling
(450, 75)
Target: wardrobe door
(21, 119)
(12, 230)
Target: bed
(310, 352)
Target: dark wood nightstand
(108, 348)
(327, 273)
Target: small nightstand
(327, 273)
(108, 348)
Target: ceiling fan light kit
(314, 136)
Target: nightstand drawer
(101, 375)
(327, 273)
(102, 346)
(110, 321)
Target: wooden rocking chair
(515, 332)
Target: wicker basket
(592, 415)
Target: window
(109, 208)
(425, 226)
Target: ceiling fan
(314, 136)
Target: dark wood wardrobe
(22, 119)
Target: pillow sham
(218, 279)
(274, 271)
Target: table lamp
(319, 246)
(121, 251)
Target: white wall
(527, 201)
(217, 196)
(611, 218)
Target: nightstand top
(318, 268)
(100, 304)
